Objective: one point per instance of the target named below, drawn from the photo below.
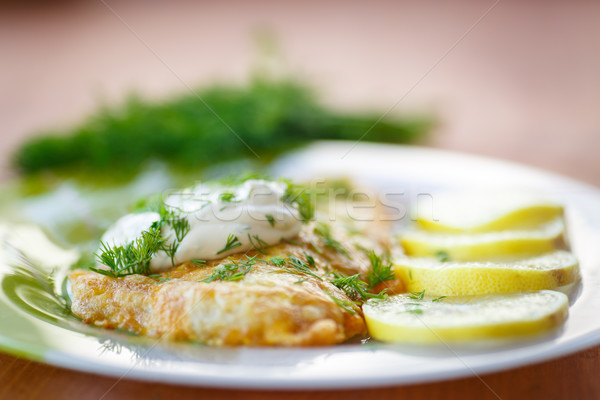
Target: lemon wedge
(408, 319)
(486, 246)
(549, 271)
(487, 212)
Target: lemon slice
(487, 212)
(405, 319)
(485, 246)
(548, 271)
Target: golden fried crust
(269, 306)
(265, 308)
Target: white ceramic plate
(33, 325)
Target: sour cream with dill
(222, 221)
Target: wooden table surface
(512, 79)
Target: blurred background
(512, 79)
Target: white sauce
(213, 219)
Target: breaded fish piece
(270, 305)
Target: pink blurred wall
(522, 84)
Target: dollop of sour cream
(253, 212)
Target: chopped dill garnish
(310, 259)
(166, 235)
(354, 287)
(167, 279)
(301, 197)
(324, 231)
(258, 244)
(295, 265)
(300, 281)
(198, 262)
(380, 271)
(442, 255)
(271, 219)
(437, 299)
(345, 305)
(279, 261)
(233, 271)
(417, 295)
(232, 243)
(229, 197)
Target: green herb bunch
(199, 129)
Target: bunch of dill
(213, 125)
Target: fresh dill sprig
(171, 249)
(232, 243)
(354, 287)
(258, 244)
(181, 228)
(324, 232)
(233, 271)
(380, 271)
(438, 299)
(296, 265)
(133, 258)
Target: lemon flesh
(486, 246)
(487, 212)
(549, 271)
(457, 319)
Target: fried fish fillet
(270, 305)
